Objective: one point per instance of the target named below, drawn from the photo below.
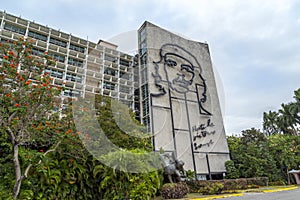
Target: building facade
(169, 84)
(82, 66)
(179, 100)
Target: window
(145, 92)
(54, 73)
(71, 93)
(58, 42)
(143, 34)
(145, 108)
(75, 62)
(37, 36)
(76, 48)
(143, 48)
(108, 85)
(37, 52)
(13, 28)
(110, 71)
(58, 57)
(74, 78)
(144, 75)
(110, 58)
(124, 62)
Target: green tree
(231, 171)
(270, 123)
(251, 156)
(286, 120)
(27, 100)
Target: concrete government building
(169, 84)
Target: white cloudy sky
(254, 44)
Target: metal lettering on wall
(179, 71)
(202, 131)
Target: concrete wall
(185, 113)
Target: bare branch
(40, 161)
(50, 150)
(26, 171)
(12, 136)
(12, 116)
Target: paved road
(283, 195)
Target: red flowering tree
(28, 102)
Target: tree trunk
(17, 167)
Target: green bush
(231, 171)
(117, 183)
(274, 183)
(216, 186)
(174, 190)
(212, 188)
(206, 187)
(260, 181)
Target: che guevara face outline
(183, 69)
(186, 68)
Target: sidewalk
(241, 192)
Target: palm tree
(270, 126)
(287, 121)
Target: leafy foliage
(117, 184)
(286, 120)
(217, 186)
(28, 99)
(112, 115)
(255, 155)
(174, 190)
(231, 171)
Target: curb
(242, 193)
(280, 189)
(219, 196)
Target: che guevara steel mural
(182, 74)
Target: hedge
(217, 186)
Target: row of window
(58, 42)
(124, 62)
(145, 92)
(108, 85)
(37, 36)
(15, 29)
(74, 78)
(55, 73)
(59, 74)
(60, 58)
(75, 62)
(110, 71)
(71, 93)
(113, 72)
(37, 52)
(110, 58)
(42, 37)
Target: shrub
(260, 181)
(120, 183)
(231, 171)
(174, 190)
(274, 183)
(235, 184)
(212, 188)
(241, 183)
(195, 185)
